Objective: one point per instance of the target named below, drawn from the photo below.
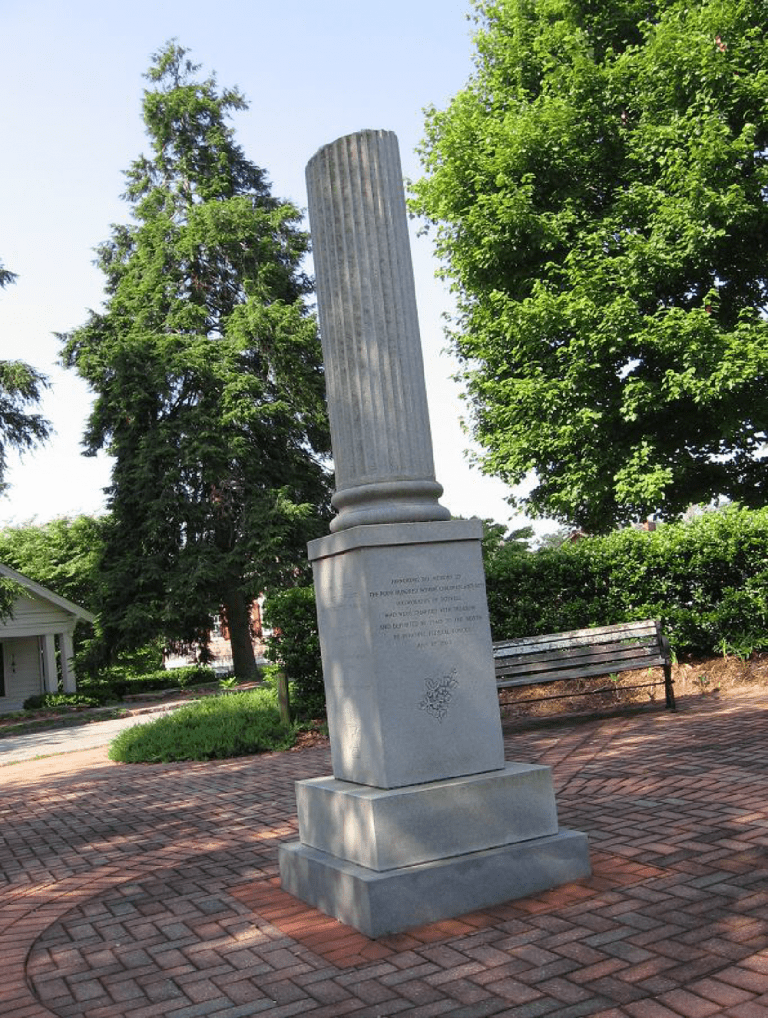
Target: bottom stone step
(377, 903)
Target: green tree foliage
(295, 646)
(64, 556)
(21, 387)
(496, 541)
(207, 374)
(600, 196)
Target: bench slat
(573, 634)
(573, 658)
(534, 678)
(548, 674)
(580, 637)
(582, 654)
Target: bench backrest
(581, 653)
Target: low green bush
(50, 700)
(110, 688)
(295, 647)
(234, 724)
(115, 686)
(98, 690)
(170, 678)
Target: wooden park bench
(584, 654)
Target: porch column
(66, 653)
(50, 676)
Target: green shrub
(115, 685)
(171, 678)
(706, 580)
(99, 690)
(49, 700)
(93, 661)
(295, 646)
(234, 724)
(111, 686)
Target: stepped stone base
(383, 860)
(377, 903)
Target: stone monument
(422, 819)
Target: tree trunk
(238, 616)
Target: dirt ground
(710, 676)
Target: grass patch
(234, 724)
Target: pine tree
(206, 369)
(21, 387)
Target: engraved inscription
(438, 696)
(429, 611)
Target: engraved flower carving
(438, 696)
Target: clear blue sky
(312, 70)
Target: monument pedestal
(422, 819)
(407, 656)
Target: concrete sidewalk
(91, 735)
(141, 891)
(18, 748)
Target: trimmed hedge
(707, 580)
(170, 678)
(58, 700)
(97, 692)
(116, 686)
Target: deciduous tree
(600, 196)
(63, 555)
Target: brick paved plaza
(152, 890)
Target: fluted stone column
(377, 399)
(422, 818)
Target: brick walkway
(150, 891)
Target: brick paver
(135, 892)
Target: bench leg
(669, 688)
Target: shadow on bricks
(153, 890)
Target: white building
(40, 623)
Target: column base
(377, 903)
